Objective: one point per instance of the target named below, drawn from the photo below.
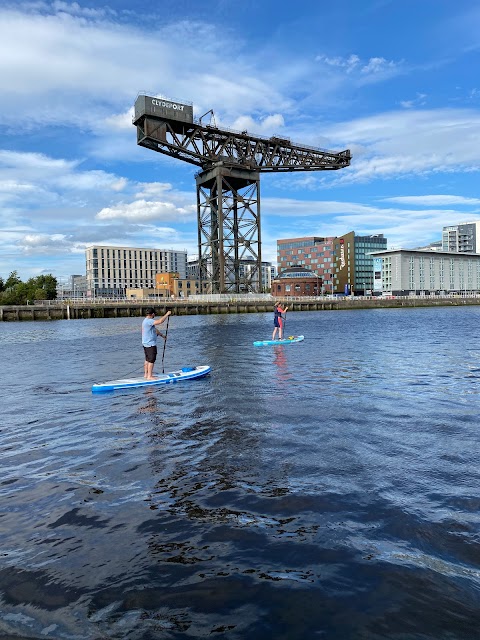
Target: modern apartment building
(462, 238)
(403, 272)
(315, 253)
(344, 264)
(110, 271)
(354, 262)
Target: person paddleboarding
(149, 340)
(278, 320)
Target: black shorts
(150, 354)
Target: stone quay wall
(123, 309)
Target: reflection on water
(323, 489)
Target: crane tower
(228, 185)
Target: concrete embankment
(73, 311)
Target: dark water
(327, 489)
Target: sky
(395, 81)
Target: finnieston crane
(228, 184)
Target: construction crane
(228, 184)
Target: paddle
(165, 344)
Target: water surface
(324, 489)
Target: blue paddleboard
(187, 373)
(289, 340)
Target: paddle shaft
(165, 344)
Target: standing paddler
(149, 340)
(278, 320)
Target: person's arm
(159, 333)
(163, 318)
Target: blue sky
(395, 81)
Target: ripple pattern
(328, 489)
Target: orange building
(165, 284)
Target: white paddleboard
(289, 340)
(187, 373)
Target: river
(325, 489)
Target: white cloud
(34, 179)
(434, 200)
(349, 64)
(267, 126)
(402, 143)
(80, 68)
(154, 189)
(143, 210)
(119, 121)
(401, 226)
(418, 101)
(360, 71)
(42, 242)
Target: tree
(12, 280)
(14, 291)
(43, 287)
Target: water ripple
(327, 489)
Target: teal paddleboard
(289, 340)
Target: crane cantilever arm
(207, 146)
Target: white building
(112, 270)
(463, 238)
(403, 272)
(246, 268)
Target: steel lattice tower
(228, 185)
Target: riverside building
(402, 272)
(462, 238)
(296, 281)
(354, 262)
(246, 268)
(343, 264)
(110, 271)
(315, 253)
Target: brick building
(315, 253)
(296, 281)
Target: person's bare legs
(274, 333)
(149, 371)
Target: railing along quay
(73, 310)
